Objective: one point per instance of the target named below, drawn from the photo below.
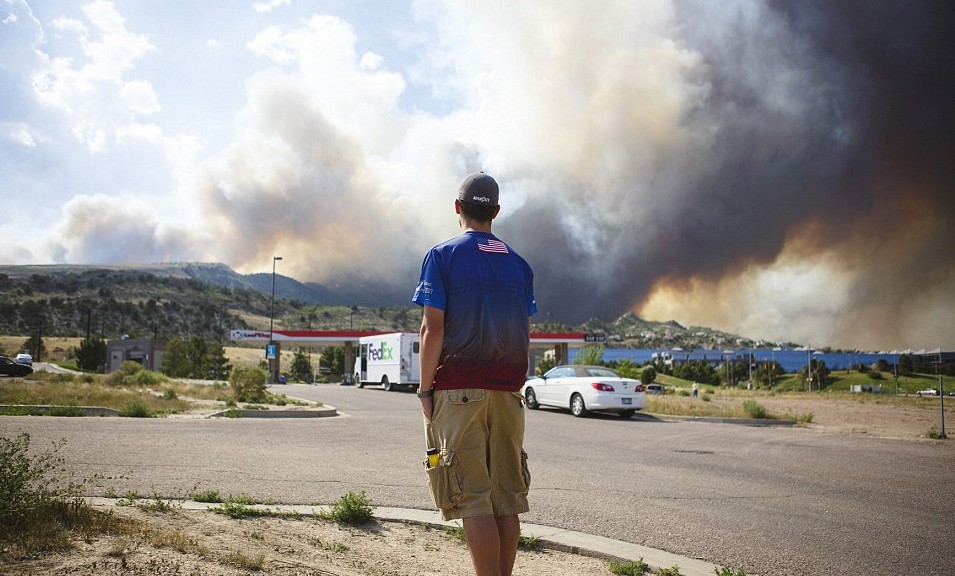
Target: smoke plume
(783, 171)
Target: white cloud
(269, 6)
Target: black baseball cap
(479, 189)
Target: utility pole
(941, 391)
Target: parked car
(927, 392)
(24, 358)
(582, 389)
(655, 389)
(10, 368)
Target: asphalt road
(770, 501)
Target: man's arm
(432, 341)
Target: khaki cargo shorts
(482, 466)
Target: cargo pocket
(443, 482)
(525, 470)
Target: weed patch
(39, 510)
(725, 571)
(754, 409)
(351, 509)
(637, 568)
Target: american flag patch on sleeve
(492, 245)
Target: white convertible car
(582, 389)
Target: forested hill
(180, 300)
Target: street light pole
(272, 377)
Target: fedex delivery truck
(388, 359)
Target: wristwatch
(425, 394)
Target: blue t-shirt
(486, 290)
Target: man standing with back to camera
(478, 297)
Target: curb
(48, 408)
(294, 412)
(547, 536)
(323, 412)
(764, 422)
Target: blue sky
(722, 164)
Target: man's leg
(509, 533)
(493, 543)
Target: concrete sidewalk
(548, 537)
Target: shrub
(248, 384)
(136, 409)
(754, 409)
(638, 568)
(37, 509)
(351, 509)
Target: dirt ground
(187, 542)
(202, 543)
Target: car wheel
(531, 399)
(577, 407)
(627, 414)
(386, 384)
(358, 382)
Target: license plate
(627, 401)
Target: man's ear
(457, 206)
(497, 210)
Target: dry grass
(160, 397)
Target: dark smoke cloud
(822, 130)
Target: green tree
(628, 369)
(905, 365)
(768, 373)
(301, 369)
(545, 364)
(648, 375)
(696, 371)
(35, 347)
(820, 374)
(333, 360)
(175, 360)
(218, 362)
(197, 354)
(590, 355)
(91, 353)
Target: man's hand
(427, 407)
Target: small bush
(71, 411)
(135, 409)
(37, 509)
(672, 571)
(248, 384)
(351, 509)
(754, 409)
(638, 568)
(804, 418)
(207, 496)
(725, 571)
(65, 378)
(244, 562)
